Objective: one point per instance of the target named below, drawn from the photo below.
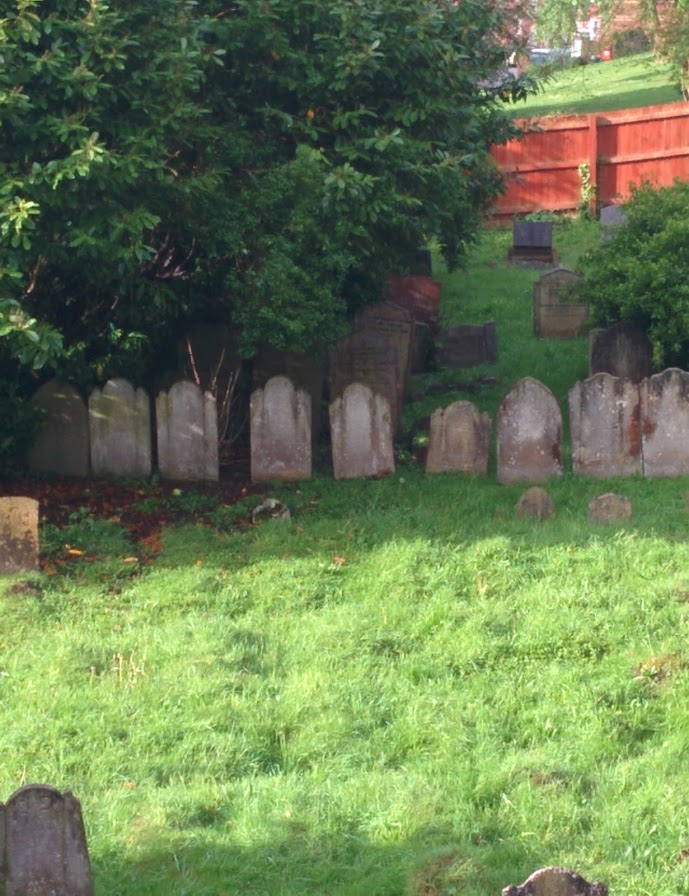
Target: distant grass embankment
(626, 83)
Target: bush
(641, 276)
(630, 42)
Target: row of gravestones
(618, 428)
(44, 852)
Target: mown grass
(625, 83)
(404, 691)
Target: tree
(260, 163)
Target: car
(548, 55)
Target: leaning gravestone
(621, 350)
(665, 423)
(468, 345)
(604, 416)
(280, 432)
(120, 430)
(459, 440)
(361, 434)
(18, 535)
(556, 882)
(187, 427)
(390, 323)
(43, 849)
(529, 434)
(552, 317)
(62, 445)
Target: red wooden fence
(621, 148)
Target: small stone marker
(665, 423)
(459, 440)
(552, 317)
(62, 446)
(610, 507)
(621, 350)
(468, 345)
(18, 535)
(280, 432)
(361, 434)
(187, 424)
(532, 243)
(536, 504)
(612, 218)
(529, 434)
(43, 849)
(604, 417)
(120, 430)
(556, 882)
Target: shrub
(641, 275)
(630, 42)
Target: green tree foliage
(262, 163)
(642, 275)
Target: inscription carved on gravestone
(621, 350)
(665, 423)
(529, 434)
(553, 316)
(187, 426)
(556, 882)
(62, 446)
(459, 440)
(43, 849)
(18, 534)
(307, 372)
(605, 426)
(468, 345)
(120, 430)
(280, 431)
(361, 434)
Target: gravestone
(187, 427)
(459, 440)
(468, 345)
(280, 432)
(536, 504)
(361, 434)
(43, 849)
(372, 359)
(307, 372)
(621, 350)
(18, 535)
(423, 263)
(529, 434)
(610, 507)
(532, 243)
(419, 294)
(120, 430)
(421, 353)
(553, 317)
(391, 323)
(62, 445)
(605, 426)
(665, 423)
(556, 882)
(612, 218)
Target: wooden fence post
(593, 163)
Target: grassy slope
(407, 690)
(601, 87)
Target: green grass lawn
(624, 83)
(404, 691)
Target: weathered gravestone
(459, 440)
(120, 430)
(532, 243)
(43, 849)
(361, 434)
(391, 323)
(612, 218)
(553, 316)
(468, 345)
(556, 882)
(307, 372)
(529, 434)
(62, 445)
(609, 508)
(187, 427)
(370, 358)
(536, 504)
(604, 416)
(18, 535)
(621, 350)
(665, 423)
(419, 294)
(280, 431)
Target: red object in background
(606, 54)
